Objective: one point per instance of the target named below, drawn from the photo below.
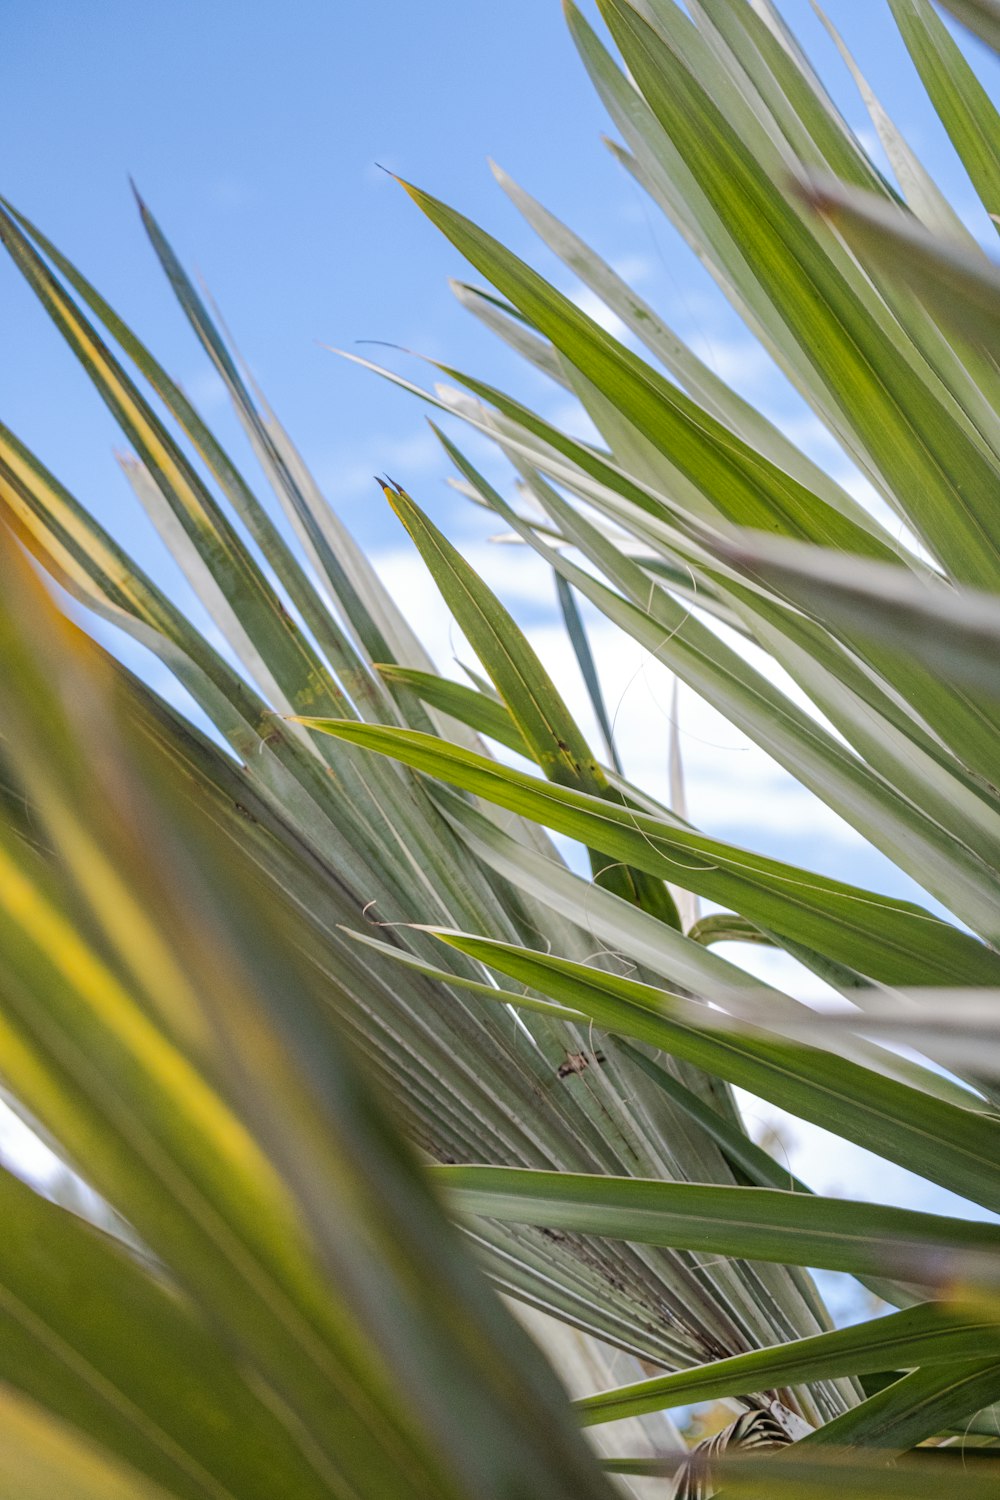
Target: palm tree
(190, 989)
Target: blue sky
(254, 130)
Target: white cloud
(633, 268)
(868, 138)
(514, 572)
(839, 1169)
(809, 433)
(734, 789)
(570, 417)
(590, 303)
(739, 361)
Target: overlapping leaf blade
(283, 1225)
(719, 108)
(893, 941)
(918, 1337)
(316, 840)
(759, 1223)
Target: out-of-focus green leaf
(833, 1475)
(168, 1030)
(41, 1457)
(75, 1305)
(981, 16)
(957, 1028)
(956, 632)
(920, 191)
(958, 284)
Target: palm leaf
(189, 1044)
